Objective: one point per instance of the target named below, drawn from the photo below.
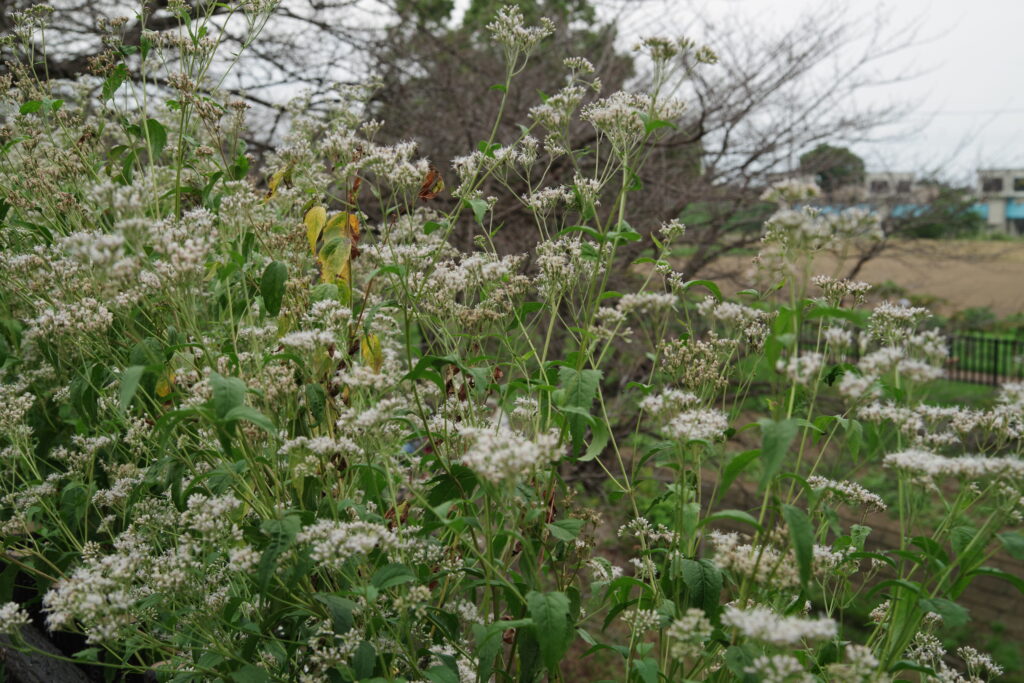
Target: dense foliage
(287, 431)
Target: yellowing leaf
(373, 355)
(285, 174)
(315, 220)
(335, 256)
(346, 223)
(165, 385)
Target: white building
(1001, 199)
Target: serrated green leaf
(566, 529)
(550, 614)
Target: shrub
(291, 433)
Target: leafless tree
(772, 95)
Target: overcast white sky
(970, 88)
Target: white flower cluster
(85, 316)
(927, 466)
(450, 289)
(838, 289)
(12, 618)
(797, 233)
(642, 620)
(335, 543)
(323, 446)
(646, 303)
(556, 112)
(1012, 393)
(979, 665)
(669, 401)
(642, 528)
(766, 625)
(791, 191)
(702, 424)
(848, 492)
(622, 117)
(891, 322)
(509, 29)
(751, 321)
(763, 564)
(562, 264)
(207, 515)
(803, 369)
(500, 454)
(779, 669)
(687, 635)
(15, 403)
(838, 338)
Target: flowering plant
(290, 432)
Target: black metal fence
(981, 359)
(973, 358)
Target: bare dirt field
(958, 273)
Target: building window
(879, 186)
(903, 186)
(1018, 184)
(992, 185)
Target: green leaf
(907, 665)
(646, 669)
(652, 125)
(579, 389)
(566, 529)
(801, 535)
(732, 516)
(272, 286)
(228, 393)
(74, 503)
(251, 415)
(739, 658)
(316, 401)
(392, 575)
(113, 82)
(31, 107)
(250, 673)
(89, 654)
(732, 470)
(340, 609)
(598, 441)
(479, 208)
(776, 438)
(156, 136)
(703, 582)
(364, 660)
(1013, 580)
(130, 380)
(953, 615)
(550, 614)
(706, 284)
(1013, 544)
(282, 533)
(442, 674)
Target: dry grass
(959, 274)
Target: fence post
(995, 361)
